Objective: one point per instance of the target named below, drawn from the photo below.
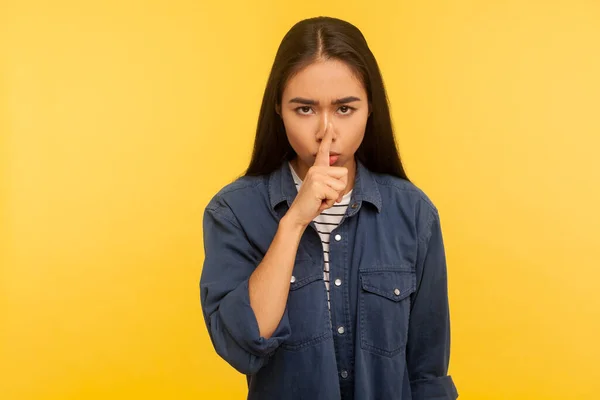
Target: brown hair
(310, 40)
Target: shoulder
(406, 192)
(404, 200)
(239, 193)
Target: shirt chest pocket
(307, 306)
(384, 310)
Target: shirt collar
(282, 187)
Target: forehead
(324, 79)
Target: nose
(326, 127)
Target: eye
(305, 110)
(347, 110)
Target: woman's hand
(323, 185)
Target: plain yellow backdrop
(120, 119)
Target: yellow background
(119, 120)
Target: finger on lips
(322, 158)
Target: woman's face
(325, 93)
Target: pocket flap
(305, 272)
(394, 285)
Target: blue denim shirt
(392, 304)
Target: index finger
(322, 158)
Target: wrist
(289, 221)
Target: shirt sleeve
(229, 261)
(428, 347)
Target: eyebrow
(343, 100)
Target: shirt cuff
(240, 321)
(441, 388)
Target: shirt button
(397, 292)
(344, 374)
(354, 205)
(292, 279)
(338, 282)
(341, 330)
(338, 237)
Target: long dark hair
(307, 41)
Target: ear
(278, 109)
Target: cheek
(357, 140)
(354, 132)
(298, 132)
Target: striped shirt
(326, 222)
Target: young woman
(325, 273)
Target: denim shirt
(388, 335)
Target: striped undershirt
(326, 222)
